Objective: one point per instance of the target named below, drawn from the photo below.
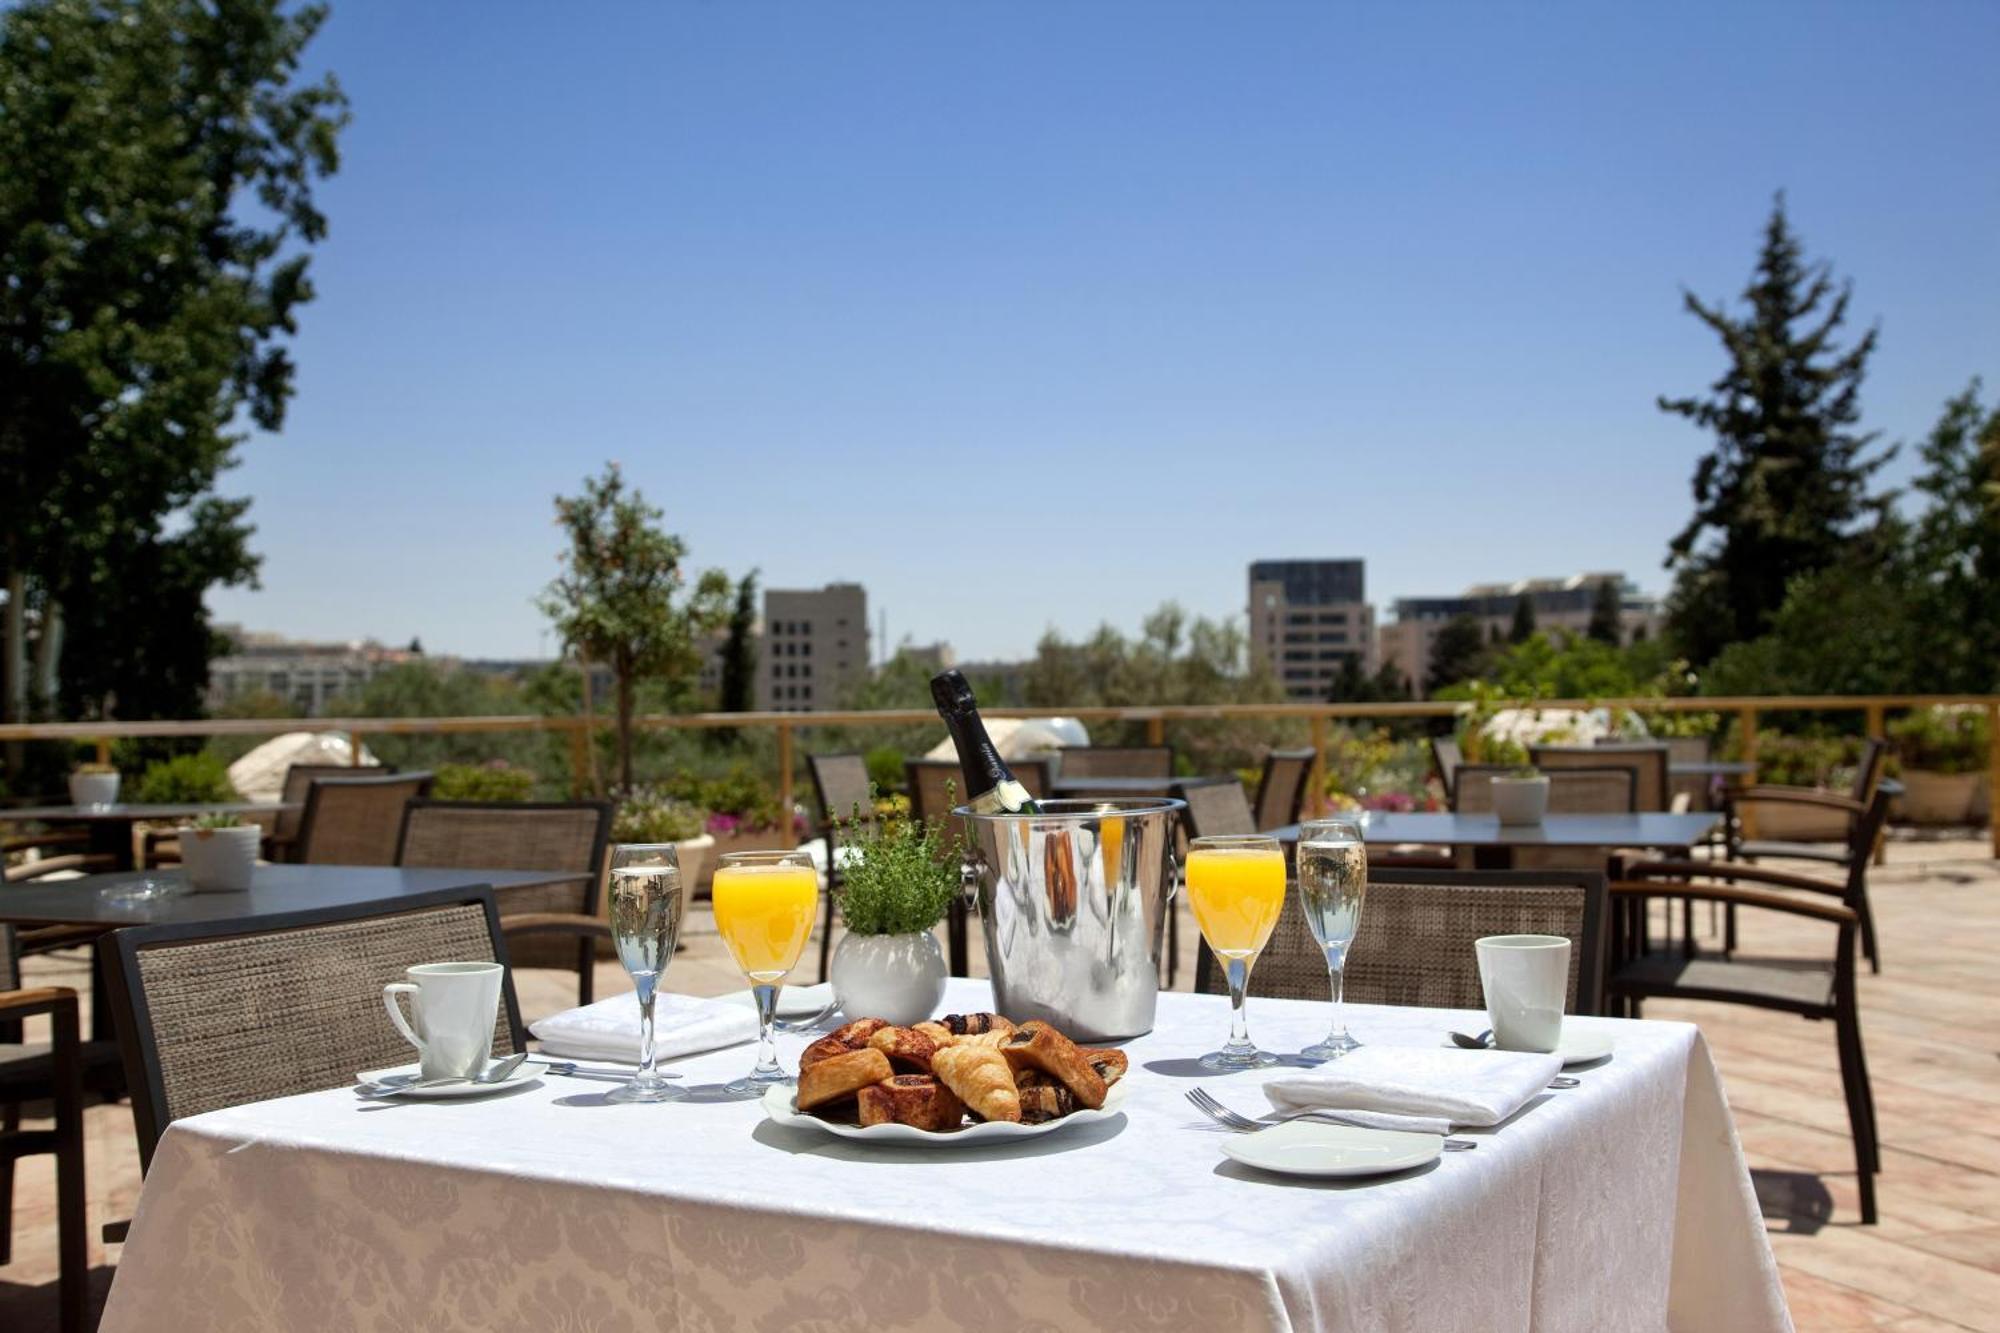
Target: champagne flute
(646, 902)
(1333, 879)
(1236, 887)
(764, 908)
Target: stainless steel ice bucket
(1074, 903)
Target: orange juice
(1236, 895)
(764, 914)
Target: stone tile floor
(1933, 1262)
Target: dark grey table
(1712, 768)
(110, 826)
(1112, 786)
(1493, 843)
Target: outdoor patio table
(1712, 768)
(1492, 843)
(1621, 1204)
(110, 826)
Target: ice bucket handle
(1173, 875)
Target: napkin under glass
(609, 1029)
(1427, 1090)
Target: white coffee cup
(1525, 978)
(457, 1006)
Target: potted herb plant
(1522, 796)
(897, 884)
(220, 853)
(93, 785)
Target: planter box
(1943, 798)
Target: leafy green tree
(1523, 627)
(1786, 484)
(739, 650)
(619, 599)
(157, 159)
(1351, 686)
(1457, 654)
(1607, 621)
(1853, 628)
(1955, 547)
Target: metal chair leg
(1853, 1079)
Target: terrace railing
(1745, 710)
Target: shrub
(647, 815)
(1941, 739)
(739, 794)
(185, 779)
(885, 768)
(901, 880)
(1803, 761)
(495, 781)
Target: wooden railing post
(1316, 789)
(354, 749)
(579, 759)
(1746, 726)
(1872, 724)
(103, 750)
(1156, 731)
(790, 836)
(1993, 773)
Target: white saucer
(1579, 1046)
(524, 1075)
(793, 1001)
(1317, 1148)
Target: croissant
(980, 1078)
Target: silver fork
(1243, 1124)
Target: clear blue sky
(1032, 315)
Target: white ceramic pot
(89, 789)
(220, 860)
(1942, 798)
(899, 978)
(1521, 800)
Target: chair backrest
(529, 835)
(937, 785)
(1869, 771)
(1115, 761)
(10, 959)
(1572, 791)
(1415, 942)
(1648, 763)
(1216, 809)
(356, 821)
(1446, 757)
(840, 781)
(298, 781)
(214, 1014)
(1861, 837)
(1281, 791)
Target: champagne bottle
(990, 786)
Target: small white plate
(780, 1105)
(1317, 1148)
(1579, 1046)
(793, 1001)
(529, 1072)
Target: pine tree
(1607, 622)
(1458, 654)
(739, 651)
(1955, 548)
(1787, 481)
(1523, 628)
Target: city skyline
(1396, 284)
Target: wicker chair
(1682, 750)
(554, 925)
(1445, 758)
(1114, 761)
(1652, 790)
(1281, 790)
(356, 821)
(52, 1073)
(283, 838)
(1216, 809)
(1572, 791)
(215, 1014)
(1414, 945)
(846, 802)
(1814, 988)
(934, 786)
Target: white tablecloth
(1622, 1204)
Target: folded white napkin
(1430, 1090)
(609, 1029)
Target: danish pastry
(840, 1076)
(906, 1048)
(852, 1037)
(1037, 1045)
(911, 1099)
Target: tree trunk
(624, 729)
(48, 656)
(14, 655)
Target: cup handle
(389, 994)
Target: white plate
(793, 1001)
(1317, 1148)
(779, 1104)
(529, 1072)
(1579, 1046)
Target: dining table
(1620, 1203)
(109, 827)
(1489, 844)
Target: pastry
(971, 1025)
(1039, 1046)
(992, 1041)
(906, 1048)
(1109, 1062)
(1045, 1101)
(1029, 1077)
(853, 1037)
(935, 1030)
(911, 1099)
(840, 1076)
(981, 1079)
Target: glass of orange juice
(1236, 887)
(764, 908)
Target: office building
(306, 675)
(815, 646)
(1560, 604)
(1309, 618)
